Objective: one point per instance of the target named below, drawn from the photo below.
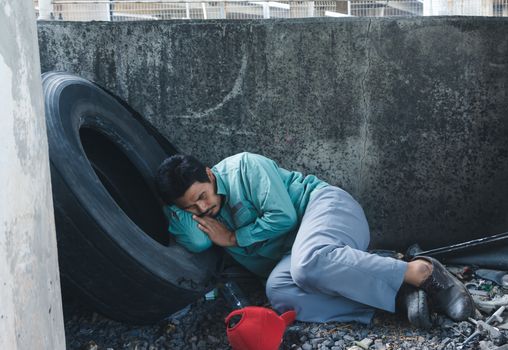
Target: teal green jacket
(262, 203)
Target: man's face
(201, 198)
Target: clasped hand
(217, 231)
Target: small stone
(364, 343)
(178, 335)
(378, 344)
(213, 340)
(348, 338)
(486, 345)
(316, 341)
(91, 345)
(446, 323)
(86, 331)
(159, 340)
(326, 343)
(170, 328)
(306, 346)
(354, 347)
(295, 328)
(443, 343)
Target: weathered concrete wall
(409, 115)
(30, 302)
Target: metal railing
(125, 10)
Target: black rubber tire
(112, 241)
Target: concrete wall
(30, 302)
(409, 115)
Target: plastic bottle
(234, 295)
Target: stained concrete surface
(410, 115)
(30, 301)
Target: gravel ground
(201, 326)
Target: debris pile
(201, 327)
(490, 294)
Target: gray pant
(328, 276)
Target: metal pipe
(469, 244)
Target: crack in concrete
(366, 111)
(235, 91)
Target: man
(306, 237)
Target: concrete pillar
(30, 300)
(45, 9)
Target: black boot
(413, 303)
(447, 293)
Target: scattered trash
(484, 328)
(474, 290)
(212, 295)
(499, 277)
(496, 316)
(464, 273)
(201, 326)
(490, 305)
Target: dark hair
(176, 174)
